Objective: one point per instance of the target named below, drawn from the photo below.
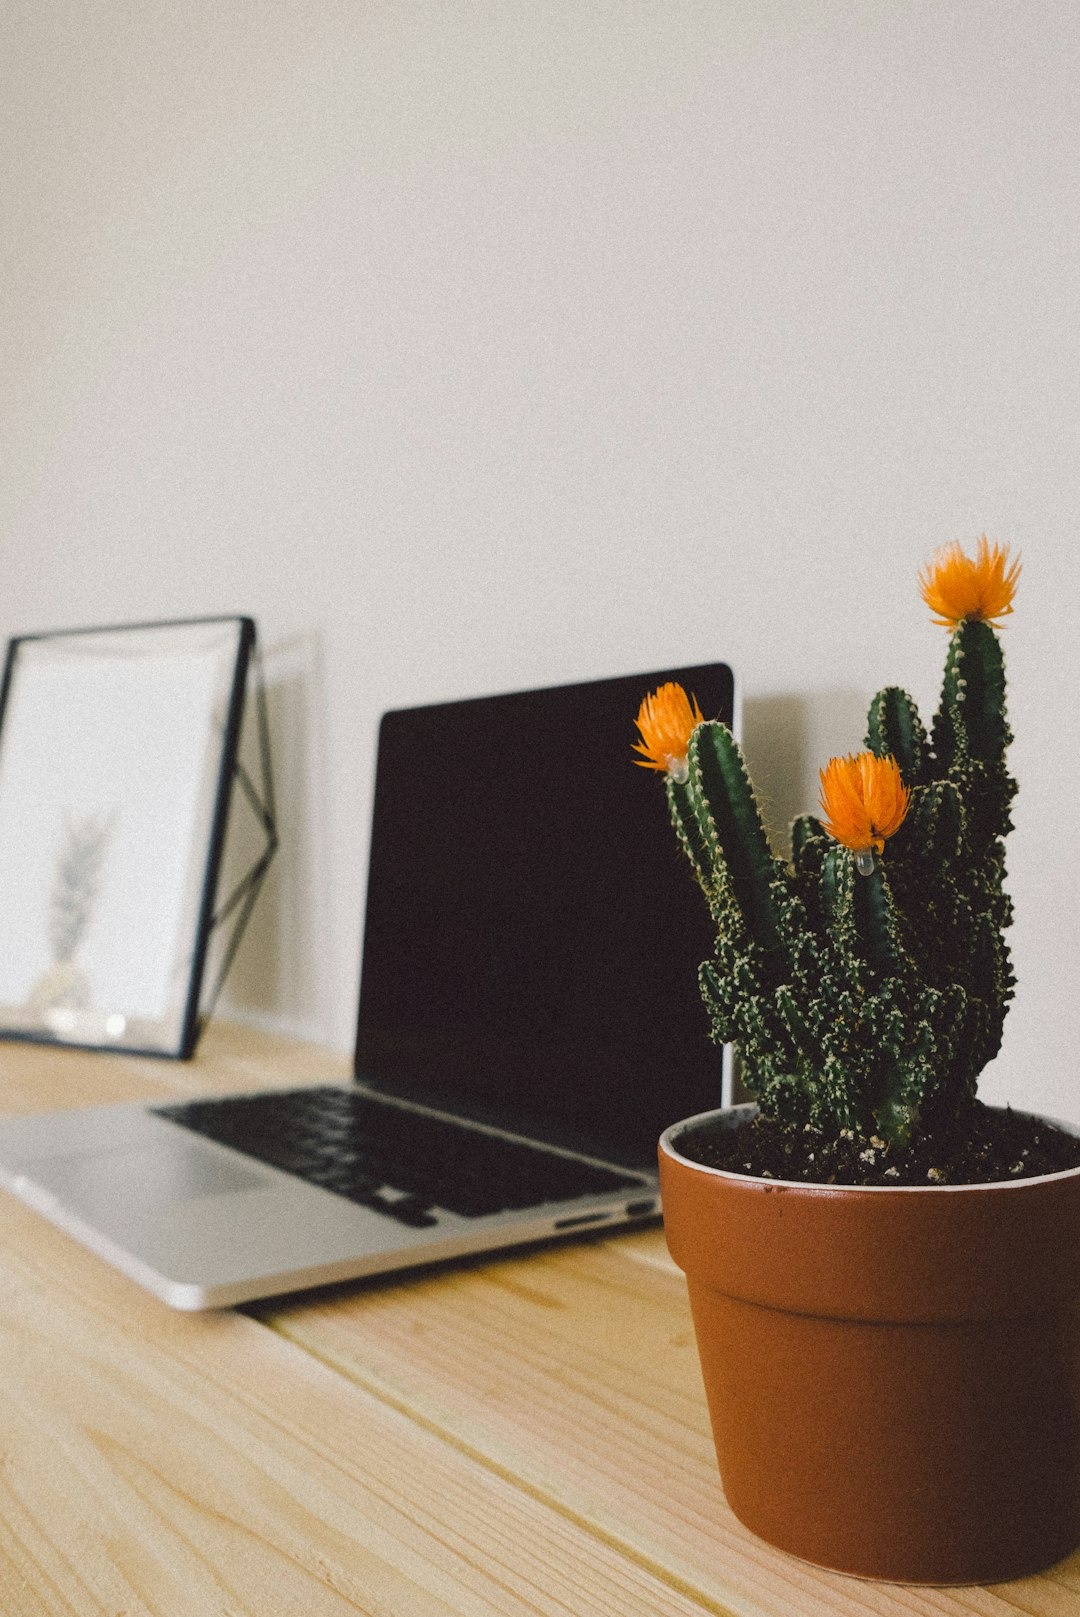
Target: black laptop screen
(533, 930)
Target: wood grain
(508, 1436)
(171, 1463)
(575, 1372)
(47, 1077)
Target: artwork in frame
(118, 748)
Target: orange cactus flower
(863, 801)
(956, 587)
(666, 721)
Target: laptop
(529, 1023)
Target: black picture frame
(118, 751)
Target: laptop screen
(533, 929)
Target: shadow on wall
(787, 739)
(272, 977)
(253, 973)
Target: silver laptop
(529, 1023)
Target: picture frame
(118, 751)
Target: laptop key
(397, 1161)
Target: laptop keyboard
(400, 1162)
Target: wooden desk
(516, 1437)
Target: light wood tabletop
(503, 1438)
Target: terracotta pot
(893, 1374)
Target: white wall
(475, 344)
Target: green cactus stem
(868, 1002)
(895, 730)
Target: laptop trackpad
(145, 1176)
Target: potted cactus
(883, 1271)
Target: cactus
(865, 981)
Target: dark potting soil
(988, 1147)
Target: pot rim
(747, 1109)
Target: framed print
(117, 755)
